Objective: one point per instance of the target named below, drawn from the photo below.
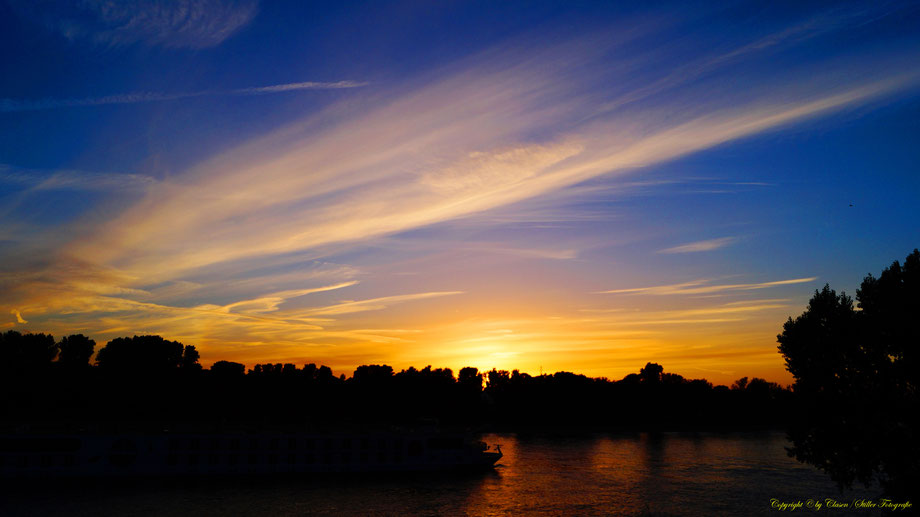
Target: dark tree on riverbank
(146, 355)
(75, 351)
(151, 382)
(25, 354)
(857, 380)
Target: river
(545, 474)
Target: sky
(543, 186)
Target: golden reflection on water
(549, 474)
(644, 474)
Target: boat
(30, 455)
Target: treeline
(148, 380)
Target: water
(637, 474)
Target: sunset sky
(580, 186)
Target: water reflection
(547, 474)
(648, 474)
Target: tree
(324, 374)
(470, 378)
(856, 381)
(651, 374)
(498, 379)
(27, 353)
(228, 370)
(190, 357)
(76, 351)
(372, 374)
(146, 354)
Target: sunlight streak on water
(657, 474)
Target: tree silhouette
(651, 374)
(76, 351)
(228, 370)
(498, 379)
(324, 375)
(149, 382)
(470, 378)
(856, 378)
(146, 354)
(740, 384)
(26, 353)
(190, 358)
(372, 374)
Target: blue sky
(569, 185)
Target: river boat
(32, 455)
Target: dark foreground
(550, 474)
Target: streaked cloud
(374, 304)
(250, 252)
(73, 179)
(270, 302)
(289, 87)
(384, 171)
(707, 245)
(562, 254)
(172, 24)
(700, 287)
(9, 105)
(823, 23)
(483, 171)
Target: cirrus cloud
(694, 247)
(167, 23)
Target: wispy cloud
(700, 287)
(826, 22)
(374, 304)
(174, 24)
(385, 171)
(270, 302)
(707, 245)
(309, 85)
(73, 179)
(562, 254)
(213, 255)
(9, 105)
(18, 315)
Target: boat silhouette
(24, 456)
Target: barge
(24, 456)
